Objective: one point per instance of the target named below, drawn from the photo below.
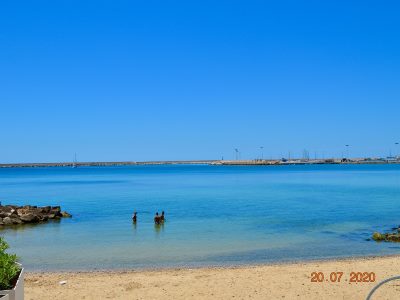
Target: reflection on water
(158, 228)
(30, 226)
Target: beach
(277, 281)
(247, 222)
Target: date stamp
(337, 277)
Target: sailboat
(74, 163)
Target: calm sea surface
(215, 215)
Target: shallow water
(216, 215)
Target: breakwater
(17, 215)
(249, 162)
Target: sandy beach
(280, 281)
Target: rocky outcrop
(15, 215)
(387, 237)
(65, 214)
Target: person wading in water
(134, 217)
(162, 218)
(157, 219)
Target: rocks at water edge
(16, 215)
(387, 237)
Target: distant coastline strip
(253, 162)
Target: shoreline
(262, 281)
(255, 162)
(216, 266)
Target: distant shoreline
(255, 162)
(104, 164)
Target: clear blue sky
(158, 80)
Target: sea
(215, 215)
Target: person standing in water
(134, 217)
(157, 219)
(162, 218)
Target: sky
(176, 80)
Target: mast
(74, 162)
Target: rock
(11, 206)
(46, 209)
(63, 282)
(5, 209)
(29, 218)
(393, 238)
(56, 208)
(387, 237)
(377, 236)
(16, 221)
(12, 214)
(43, 218)
(4, 214)
(66, 215)
(7, 221)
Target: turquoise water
(216, 215)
